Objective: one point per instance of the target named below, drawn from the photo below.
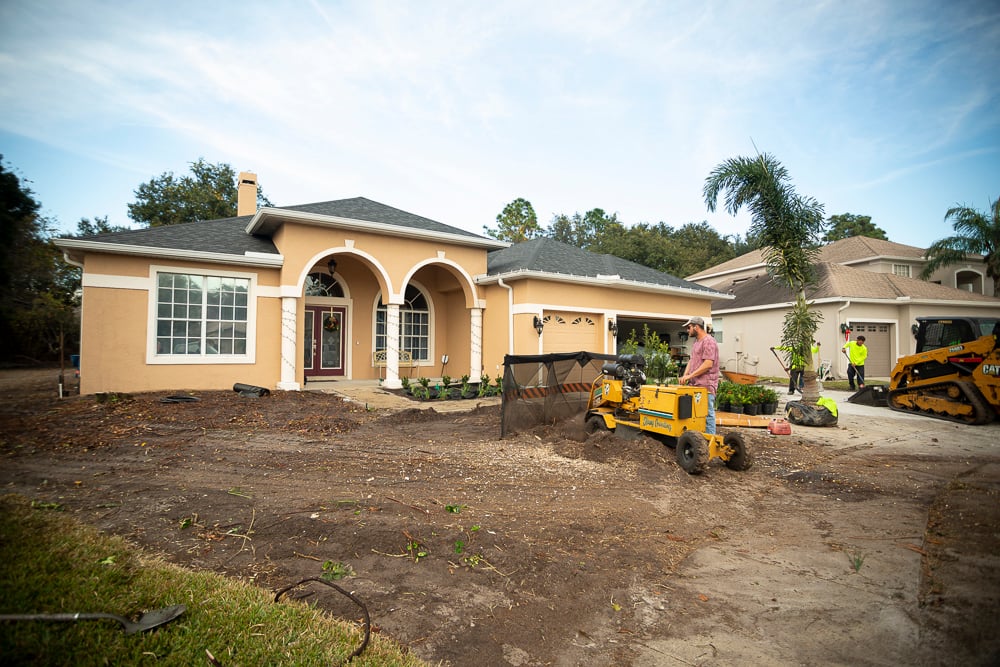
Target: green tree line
(679, 251)
(39, 290)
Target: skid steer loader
(955, 372)
(621, 402)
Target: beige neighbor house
(346, 289)
(864, 287)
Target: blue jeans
(710, 420)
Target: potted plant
(724, 397)
(770, 401)
(752, 399)
(737, 398)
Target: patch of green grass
(857, 560)
(333, 571)
(51, 564)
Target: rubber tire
(692, 452)
(595, 424)
(741, 460)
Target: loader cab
(933, 333)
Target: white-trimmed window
(201, 316)
(901, 270)
(414, 325)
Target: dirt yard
(876, 542)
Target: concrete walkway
(371, 394)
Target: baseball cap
(695, 320)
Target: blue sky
(453, 109)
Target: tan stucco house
(864, 286)
(346, 289)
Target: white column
(476, 341)
(289, 354)
(392, 347)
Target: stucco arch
(465, 281)
(970, 276)
(380, 272)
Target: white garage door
(879, 344)
(570, 332)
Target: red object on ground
(779, 427)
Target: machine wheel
(741, 459)
(595, 424)
(692, 452)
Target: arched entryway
(324, 326)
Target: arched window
(414, 325)
(323, 284)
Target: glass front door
(324, 341)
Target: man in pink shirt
(703, 368)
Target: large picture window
(200, 315)
(414, 325)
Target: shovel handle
(60, 617)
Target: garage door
(879, 344)
(570, 332)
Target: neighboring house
(347, 289)
(860, 252)
(853, 296)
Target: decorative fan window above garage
(323, 284)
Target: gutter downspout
(839, 322)
(510, 314)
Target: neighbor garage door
(879, 363)
(570, 332)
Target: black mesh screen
(546, 388)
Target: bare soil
(876, 542)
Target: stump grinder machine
(621, 402)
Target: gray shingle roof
(550, 256)
(851, 249)
(836, 281)
(227, 236)
(360, 208)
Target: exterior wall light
(613, 327)
(538, 324)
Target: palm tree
(974, 234)
(787, 227)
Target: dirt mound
(546, 547)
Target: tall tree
(517, 222)
(99, 225)
(787, 226)
(210, 192)
(846, 225)
(37, 289)
(585, 231)
(975, 233)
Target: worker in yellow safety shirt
(857, 353)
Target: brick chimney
(246, 194)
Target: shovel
(780, 362)
(148, 621)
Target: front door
(324, 341)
